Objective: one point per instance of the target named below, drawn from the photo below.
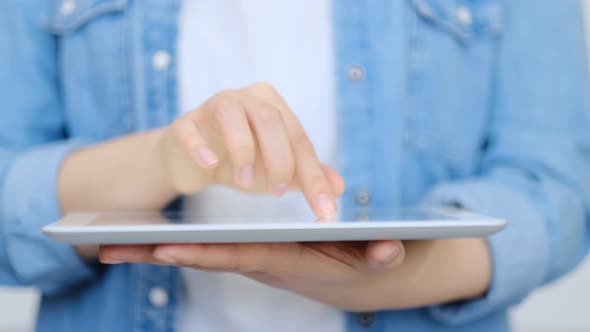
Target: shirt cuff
(29, 202)
(519, 252)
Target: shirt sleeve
(32, 145)
(29, 202)
(535, 170)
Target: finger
(187, 134)
(231, 257)
(349, 254)
(264, 90)
(116, 254)
(238, 138)
(335, 179)
(385, 255)
(309, 172)
(272, 138)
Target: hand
(354, 276)
(250, 140)
(247, 139)
(341, 274)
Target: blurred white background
(560, 307)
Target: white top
(230, 44)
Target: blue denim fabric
(481, 103)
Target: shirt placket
(160, 67)
(155, 32)
(355, 114)
(370, 77)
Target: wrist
(161, 160)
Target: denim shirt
(480, 103)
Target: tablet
(375, 224)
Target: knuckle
(317, 183)
(267, 115)
(302, 143)
(182, 135)
(263, 87)
(224, 102)
(179, 131)
(176, 126)
(306, 151)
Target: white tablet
(381, 224)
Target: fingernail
(165, 257)
(391, 256)
(206, 156)
(245, 176)
(326, 220)
(280, 189)
(325, 205)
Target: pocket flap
(70, 15)
(464, 19)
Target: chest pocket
(94, 54)
(452, 56)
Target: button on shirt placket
(159, 96)
(464, 16)
(366, 319)
(161, 60)
(67, 8)
(363, 199)
(158, 297)
(355, 73)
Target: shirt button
(366, 319)
(355, 73)
(363, 198)
(158, 297)
(363, 216)
(464, 16)
(67, 7)
(161, 60)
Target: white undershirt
(233, 43)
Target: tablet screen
(260, 217)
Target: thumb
(385, 254)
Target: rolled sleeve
(527, 253)
(29, 202)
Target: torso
(231, 44)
